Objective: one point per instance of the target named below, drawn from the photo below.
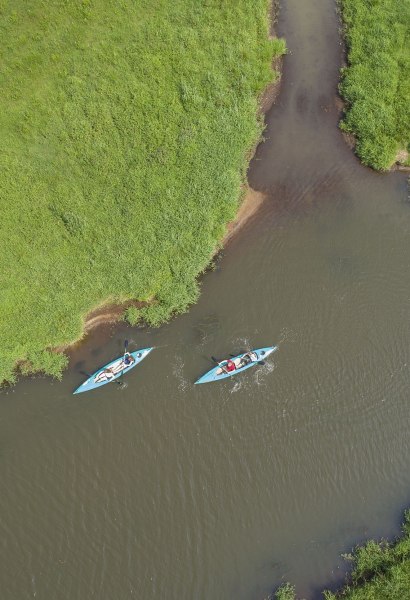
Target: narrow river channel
(168, 490)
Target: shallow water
(165, 489)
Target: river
(168, 490)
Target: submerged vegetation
(376, 83)
(381, 571)
(126, 128)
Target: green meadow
(126, 129)
(376, 82)
(381, 571)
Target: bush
(375, 84)
(132, 315)
(381, 570)
(285, 592)
(48, 362)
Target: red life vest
(230, 366)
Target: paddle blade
(214, 359)
(125, 345)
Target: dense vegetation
(125, 129)
(381, 572)
(376, 83)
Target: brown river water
(169, 490)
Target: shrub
(285, 592)
(375, 84)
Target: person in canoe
(128, 359)
(230, 366)
(248, 358)
(107, 374)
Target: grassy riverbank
(376, 83)
(381, 571)
(126, 129)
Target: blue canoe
(112, 370)
(242, 362)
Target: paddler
(230, 365)
(128, 359)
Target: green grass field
(126, 127)
(376, 84)
(381, 571)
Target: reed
(126, 130)
(381, 571)
(375, 84)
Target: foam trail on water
(287, 335)
(262, 372)
(177, 370)
(236, 387)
